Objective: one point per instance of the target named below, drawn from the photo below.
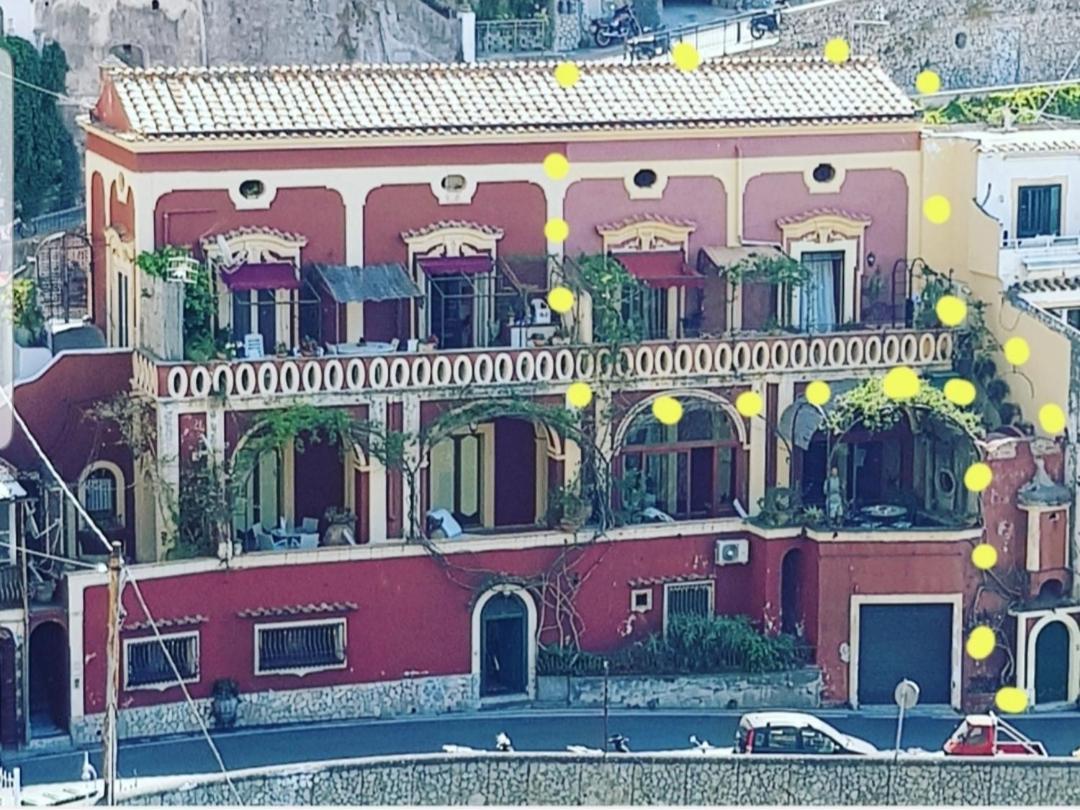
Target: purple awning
(269, 276)
(466, 265)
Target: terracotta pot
(339, 533)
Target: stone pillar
(785, 399)
(412, 506)
(168, 454)
(376, 502)
(758, 449)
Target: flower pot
(340, 533)
(225, 708)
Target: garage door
(905, 641)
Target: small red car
(987, 735)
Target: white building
(18, 18)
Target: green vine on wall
(770, 268)
(868, 406)
(611, 288)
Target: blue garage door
(905, 641)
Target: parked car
(795, 733)
(987, 735)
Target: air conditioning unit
(732, 552)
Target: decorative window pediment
(254, 246)
(452, 239)
(824, 225)
(121, 248)
(646, 233)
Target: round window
(250, 189)
(453, 182)
(824, 173)
(961, 40)
(646, 178)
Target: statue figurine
(834, 497)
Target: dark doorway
(504, 646)
(1052, 664)
(791, 592)
(9, 727)
(48, 680)
(451, 300)
(905, 641)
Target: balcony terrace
(1038, 258)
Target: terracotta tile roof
(381, 99)
(451, 223)
(622, 223)
(297, 610)
(823, 212)
(182, 621)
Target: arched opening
(9, 728)
(1052, 664)
(505, 642)
(791, 608)
(131, 55)
(693, 469)
(261, 501)
(1050, 591)
(48, 680)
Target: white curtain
(819, 295)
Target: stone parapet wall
(574, 779)
(970, 43)
(800, 689)
(433, 695)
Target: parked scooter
(621, 25)
(762, 24)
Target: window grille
(688, 599)
(146, 664)
(300, 647)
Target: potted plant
(226, 700)
(26, 313)
(568, 509)
(308, 347)
(281, 350)
(341, 528)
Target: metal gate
(911, 641)
(61, 273)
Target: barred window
(147, 667)
(687, 599)
(100, 496)
(299, 648)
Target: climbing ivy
(769, 268)
(47, 172)
(201, 341)
(612, 289)
(868, 406)
(1025, 104)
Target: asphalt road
(529, 731)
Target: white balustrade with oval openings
(659, 361)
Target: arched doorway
(791, 575)
(504, 650)
(9, 730)
(1052, 664)
(48, 680)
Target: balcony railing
(1020, 257)
(552, 366)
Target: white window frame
(121, 490)
(646, 606)
(171, 682)
(301, 671)
(697, 583)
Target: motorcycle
(762, 24)
(621, 25)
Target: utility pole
(112, 684)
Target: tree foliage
(47, 174)
(1024, 104)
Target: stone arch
(530, 633)
(724, 404)
(1073, 659)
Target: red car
(987, 735)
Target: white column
(758, 448)
(785, 398)
(168, 453)
(354, 198)
(468, 36)
(376, 504)
(410, 426)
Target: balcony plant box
(225, 702)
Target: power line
(47, 91)
(134, 586)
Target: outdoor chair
(309, 525)
(265, 542)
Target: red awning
(271, 276)
(660, 269)
(455, 265)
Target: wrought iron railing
(511, 36)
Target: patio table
(371, 347)
(885, 512)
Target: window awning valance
(665, 268)
(261, 276)
(455, 265)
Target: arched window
(101, 492)
(686, 470)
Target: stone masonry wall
(970, 43)
(800, 689)
(436, 695)
(574, 779)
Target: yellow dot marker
(556, 166)
(560, 299)
(1011, 700)
(685, 56)
(1052, 418)
(667, 410)
(579, 395)
(978, 476)
(980, 643)
(567, 74)
(928, 82)
(937, 209)
(837, 51)
(901, 384)
(960, 392)
(556, 230)
(818, 393)
(951, 310)
(749, 403)
(984, 556)
(1017, 351)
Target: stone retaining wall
(800, 689)
(569, 779)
